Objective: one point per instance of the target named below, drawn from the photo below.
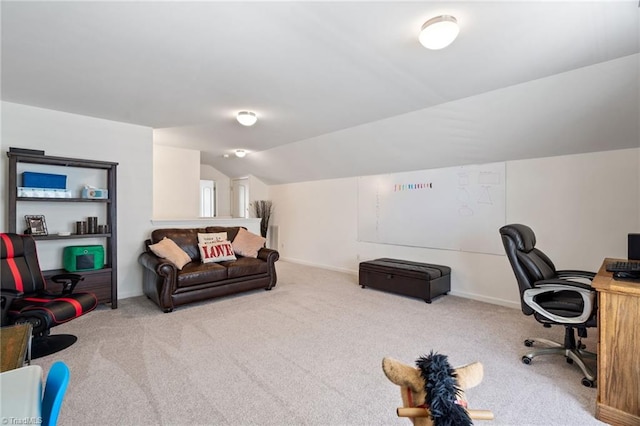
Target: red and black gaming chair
(25, 299)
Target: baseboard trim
(472, 296)
(127, 295)
(319, 265)
(491, 300)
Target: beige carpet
(306, 353)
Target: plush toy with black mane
(433, 393)
(442, 391)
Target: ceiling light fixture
(247, 118)
(240, 153)
(439, 32)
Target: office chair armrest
(550, 286)
(562, 282)
(568, 273)
(9, 292)
(6, 297)
(68, 281)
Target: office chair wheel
(588, 383)
(528, 343)
(526, 360)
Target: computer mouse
(627, 275)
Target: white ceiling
(308, 69)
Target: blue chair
(54, 390)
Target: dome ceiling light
(240, 153)
(247, 118)
(439, 32)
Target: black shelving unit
(102, 282)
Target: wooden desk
(618, 349)
(15, 343)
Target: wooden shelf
(64, 200)
(69, 237)
(102, 282)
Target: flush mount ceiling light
(247, 118)
(439, 32)
(240, 153)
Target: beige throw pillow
(212, 237)
(247, 244)
(216, 252)
(168, 249)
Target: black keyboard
(623, 266)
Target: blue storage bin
(43, 180)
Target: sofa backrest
(187, 238)
(231, 231)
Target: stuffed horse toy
(433, 393)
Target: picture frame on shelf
(36, 225)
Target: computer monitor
(633, 247)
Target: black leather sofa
(169, 286)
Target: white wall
(70, 135)
(258, 190)
(580, 206)
(176, 183)
(223, 184)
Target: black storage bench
(415, 279)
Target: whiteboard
(454, 208)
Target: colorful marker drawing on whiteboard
(412, 186)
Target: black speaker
(634, 247)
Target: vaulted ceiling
(335, 84)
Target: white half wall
(580, 206)
(70, 135)
(176, 183)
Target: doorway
(207, 198)
(240, 198)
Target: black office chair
(25, 299)
(552, 297)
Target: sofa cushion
(196, 273)
(230, 230)
(216, 252)
(168, 249)
(247, 244)
(186, 239)
(212, 237)
(246, 266)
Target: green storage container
(83, 258)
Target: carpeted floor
(308, 352)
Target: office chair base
(573, 355)
(47, 345)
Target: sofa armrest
(159, 279)
(268, 255)
(156, 264)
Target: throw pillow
(216, 252)
(168, 249)
(247, 244)
(213, 237)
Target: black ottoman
(415, 279)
